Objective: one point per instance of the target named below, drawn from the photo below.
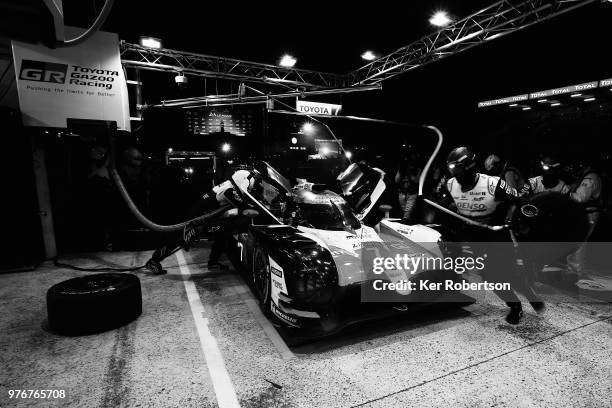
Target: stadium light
(348, 154)
(440, 19)
(226, 147)
(151, 42)
(287, 61)
(368, 55)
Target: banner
(85, 81)
(566, 89)
(316, 108)
(509, 99)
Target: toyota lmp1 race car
(308, 252)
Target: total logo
(55, 73)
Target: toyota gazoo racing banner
(85, 81)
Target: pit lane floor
(202, 342)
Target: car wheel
(261, 278)
(93, 303)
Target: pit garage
(224, 208)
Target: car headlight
(315, 277)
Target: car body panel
(314, 269)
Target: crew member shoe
(514, 317)
(154, 268)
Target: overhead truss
(261, 97)
(499, 19)
(168, 60)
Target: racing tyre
(261, 278)
(93, 303)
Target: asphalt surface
(202, 342)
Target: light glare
(150, 42)
(287, 61)
(368, 56)
(440, 19)
(308, 128)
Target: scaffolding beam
(167, 60)
(234, 99)
(499, 19)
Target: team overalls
(480, 204)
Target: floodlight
(287, 61)
(440, 19)
(368, 56)
(151, 42)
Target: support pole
(43, 195)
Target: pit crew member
(484, 199)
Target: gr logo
(43, 71)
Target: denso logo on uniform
(41, 71)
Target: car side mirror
(385, 209)
(250, 213)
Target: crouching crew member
(488, 199)
(227, 223)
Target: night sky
(568, 49)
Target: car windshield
(328, 216)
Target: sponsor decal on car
(293, 321)
(276, 271)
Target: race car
(309, 253)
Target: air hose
(108, 5)
(137, 213)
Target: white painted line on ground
(247, 297)
(222, 383)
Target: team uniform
(537, 186)
(479, 197)
(225, 193)
(590, 194)
(481, 201)
(219, 196)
